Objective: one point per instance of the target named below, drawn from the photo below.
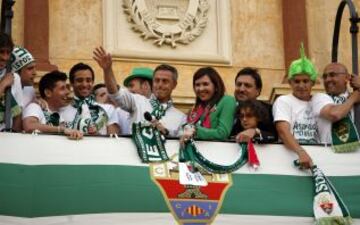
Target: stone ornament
(167, 22)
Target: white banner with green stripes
(48, 179)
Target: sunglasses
(331, 74)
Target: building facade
(225, 34)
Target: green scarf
(97, 115)
(52, 119)
(343, 132)
(15, 107)
(329, 208)
(191, 154)
(149, 142)
(159, 109)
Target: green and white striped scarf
(329, 208)
(52, 119)
(159, 109)
(189, 153)
(149, 142)
(345, 137)
(15, 107)
(88, 114)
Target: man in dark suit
(248, 87)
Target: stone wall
(321, 18)
(76, 27)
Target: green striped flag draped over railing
(48, 179)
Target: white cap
(20, 57)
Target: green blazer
(222, 120)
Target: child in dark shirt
(250, 113)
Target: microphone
(155, 122)
(149, 117)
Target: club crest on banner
(167, 22)
(190, 204)
(325, 203)
(342, 130)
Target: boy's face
(101, 95)
(301, 86)
(5, 53)
(59, 94)
(248, 119)
(27, 74)
(83, 83)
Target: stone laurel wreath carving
(150, 26)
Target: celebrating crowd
(301, 117)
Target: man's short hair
(98, 86)
(6, 41)
(48, 81)
(78, 67)
(252, 72)
(167, 67)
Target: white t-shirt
(16, 92)
(28, 95)
(34, 110)
(124, 121)
(69, 113)
(137, 105)
(303, 116)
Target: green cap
(139, 72)
(302, 66)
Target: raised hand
(103, 58)
(355, 82)
(105, 62)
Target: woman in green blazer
(213, 113)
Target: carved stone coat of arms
(168, 22)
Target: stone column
(36, 32)
(295, 29)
